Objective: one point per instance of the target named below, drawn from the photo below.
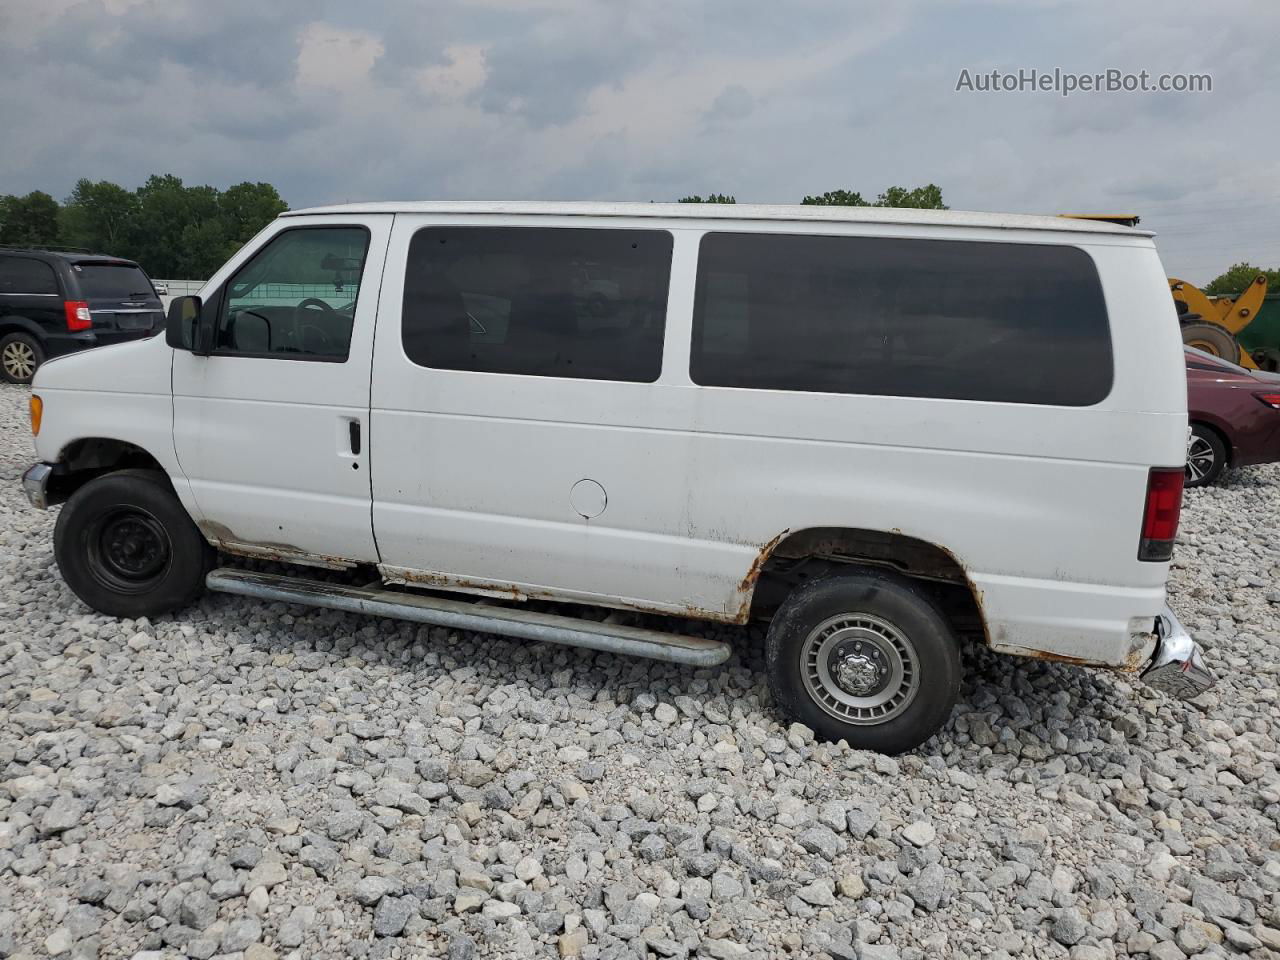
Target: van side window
(544, 302)
(296, 298)
(1000, 322)
(19, 275)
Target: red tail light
(1272, 400)
(1160, 515)
(78, 317)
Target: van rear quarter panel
(1041, 505)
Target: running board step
(461, 615)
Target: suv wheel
(20, 357)
(865, 657)
(127, 547)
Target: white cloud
(464, 73)
(333, 58)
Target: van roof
(733, 211)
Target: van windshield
(112, 281)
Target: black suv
(54, 302)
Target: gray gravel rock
(392, 914)
(63, 814)
(199, 910)
(240, 934)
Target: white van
(887, 432)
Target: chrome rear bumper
(1177, 668)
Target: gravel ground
(254, 781)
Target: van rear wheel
(865, 657)
(127, 547)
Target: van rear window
(959, 320)
(544, 302)
(112, 281)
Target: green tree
(928, 197)
(836, 198)
(172, 229)
(167, 207)
(248, 207)
(102, 217)
(203, 247)
(1239, 276)
(29, 221)
(710, 198)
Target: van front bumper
(1177, 668)
(35, 484)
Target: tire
(1213, 339)
(1206, 456)
(20, 357)
(890, 617)
(128, 548)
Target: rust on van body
(223, 538)
(1133, 660)
(442, 581)
(747, 585)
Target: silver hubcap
(1199, 458)
(19, 360)
(859, 668)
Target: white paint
(471, 472)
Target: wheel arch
(15, 323)
(86, 458)
(795, 556)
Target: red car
(1234, 414)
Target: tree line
(928, 197)
(171, 229)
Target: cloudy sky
(655, 99)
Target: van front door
(271, 429)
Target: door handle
(353, 428)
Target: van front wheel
(127, 547)
(865, 657)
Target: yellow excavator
(1213, 325)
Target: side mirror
(185, 328)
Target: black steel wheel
(128, 550)
(127, 547)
